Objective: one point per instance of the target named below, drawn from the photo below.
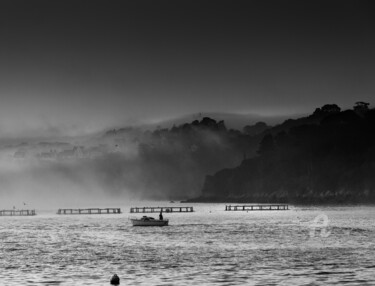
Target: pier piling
(258, 207)
(89, 211)
(17, 212)
(163, 209)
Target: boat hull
(138, 222)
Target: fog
(52, 184)
(48, 175)
(117, 165)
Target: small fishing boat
(149, 221)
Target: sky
(69, 67)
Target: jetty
(89, 211)
(163, 209)
(17, 212)
(258, 207)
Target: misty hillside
(165, 163)
(232, 120)
(172, 162)
(327, 157)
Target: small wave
(330, 272)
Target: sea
(305, 245)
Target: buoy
(115, 280)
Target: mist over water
(75, 74)
(35, 182)
(51, 185)
(125, 163)
(130, 164)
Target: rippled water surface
(207, 247)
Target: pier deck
(273, 207)
(164, 209)
(89, 211)
(17, 212)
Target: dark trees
(331, 162)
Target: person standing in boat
(161, 215)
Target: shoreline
(290, 202)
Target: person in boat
(161, 215)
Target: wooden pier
(89, 211)
(257, 207)
(17, 212)
(159, 209)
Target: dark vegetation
(172, 163)
(327, 157)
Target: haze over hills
(202, 158)
(79, 133)
(92, 94)
(125, 162)
(232, 120)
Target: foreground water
(302, 246)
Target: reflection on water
(209, 246)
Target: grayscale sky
(75, 66)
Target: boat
(149, 221)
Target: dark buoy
(115, 280)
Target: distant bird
(115, 280)
(24, 203)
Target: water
(207, 247)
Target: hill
(327, 157)
(164, 163)
(232, 120)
